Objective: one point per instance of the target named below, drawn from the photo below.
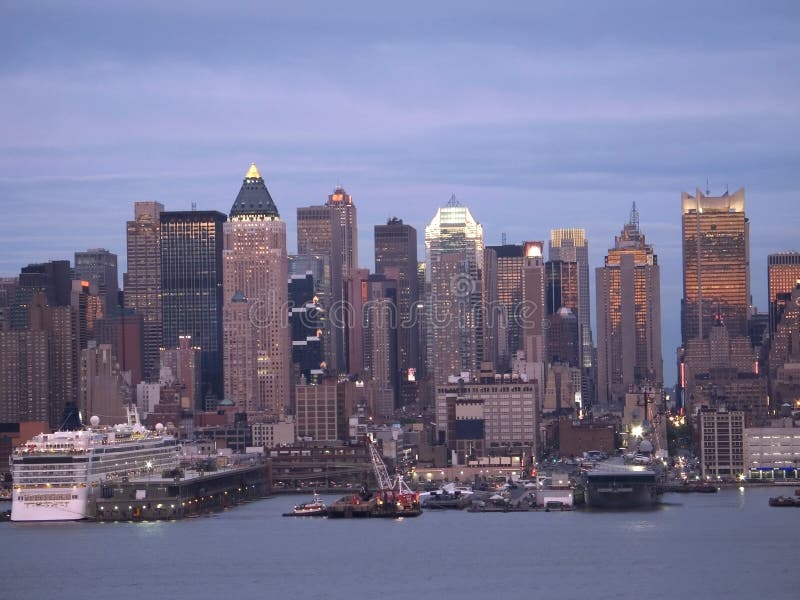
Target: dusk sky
(536, 115)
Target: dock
(193, 494)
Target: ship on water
(621, 488)
(56, 474)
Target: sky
(535, 115)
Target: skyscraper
(628, 316)
(454, 252)
(716, 264)
(379, 321)
(307, 322)
(332, 230)
(571, 245)
(142, 281)
(257, 349)
(783, 274)
(191, 289)
(99, 267)
(504, 300)
(533, 316)
(53, 278)
(784, 356)
(396, 249)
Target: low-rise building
(721, 443)
(277, 433)
(771, 449)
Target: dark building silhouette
(307, 323)
(191, 288)
(396, 257)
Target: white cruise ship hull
(52, 504)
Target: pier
(195, 493)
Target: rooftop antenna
(194, 206)
(453, 201)
(503, 238)
(634, 220)
(708, 191)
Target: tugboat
(315, 508)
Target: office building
(533, 314)
(494, 414)
(332, 230)
(396, 257)
(783, 275)
(53, 279)
(716, 264)
(628, 316)
(99, 267)
(503, 277)
(784, 356)
(142, 281)
(380, 331)
(257, 347)
(721, 443)
(185, 365)
(103, 389)
(307, 322)
(454, 253)
(191, 289)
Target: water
(729, 545)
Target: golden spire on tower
(252, 172)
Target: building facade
(396, 257)
(783, 276)
(454, 309)
(142, 281)
(332, 230)
(257, 347)
(628, 316)
(716, 264)
(191, 289)
(721, 444)
(497, 412)
(99, 267)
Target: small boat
(315, 508)
(783, 501)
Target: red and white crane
(391, 491)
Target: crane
(391, 491)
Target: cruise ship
(57, 474)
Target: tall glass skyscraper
(571, 245)
(454, 252)
(191, 289)
(716, 264)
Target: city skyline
(565, 126)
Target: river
(729, 545)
